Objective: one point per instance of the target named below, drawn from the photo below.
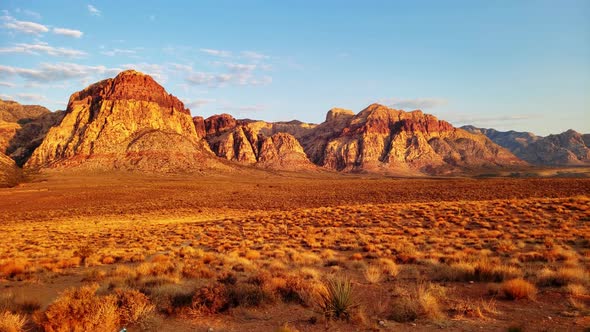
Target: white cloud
(7, 84)
(42, 48)
(68, 32)
(254, 55)
(238, 74)
(118, 51)
(197, 103)
(52, 72)
(28, 12)
(31, 97)
(241, 109)
(415, 103)
(6, 97)
(24, 26)
(93, 10)
(219, 53)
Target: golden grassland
(291, 252)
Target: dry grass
(517, 289)
(224, 255)
(10, 322)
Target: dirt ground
(420, 254)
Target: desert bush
(576, 289)
(519, 288)
(286, 328)
(248, 295)
(562, 277)
(11, 302)
(14, 267)
(10, 322)
(338, 298)
(134, 307)
(373, 274)
(211, 299)
(80, 310)
(170, 298)
(423, 301)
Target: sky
(510, 65)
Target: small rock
(381, 323)
(413, 324)
(471, 281)
(210, 329)
(549, 317)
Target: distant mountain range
(566, 149)
(130, 122)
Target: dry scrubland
(286, 252)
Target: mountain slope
(128, 122)
(567, 148)
(378, 139)
(267, 145)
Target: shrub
(10, 322)
(420, 302)
(80, 310)
(373, 274)
(211, 299)
(338, 298)
(133, 306)
(519, 289)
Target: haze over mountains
(131, 123)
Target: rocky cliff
(567, 148)
(127, 122)
(268, 145)
(23, 128)
(383, 139)
(378, 139)
(8, 171)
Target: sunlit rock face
(128, 122)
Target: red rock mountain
(378, 139)
(128, 122)
(8, 171)
(23, 128)
(267, 145)
(568, 148)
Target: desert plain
(259, 250)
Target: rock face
(8, 171)
(378, 139)
(23, 128)
(129, 122)
(268, 145)
(11, 111)
(567, 148)
(381, 139)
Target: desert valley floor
(264, 251)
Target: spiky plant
(337, 300)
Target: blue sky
(522, 65)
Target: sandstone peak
(126, 122)
(130, 85)
(338, 113)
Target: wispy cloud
(237, 74)
(93, 10)
(23, 26)
(197, 103)
(474, 119)
(68, 32)
(42, 48)
(415, 103)
(28, 13)
(118, 51)
(241, 109)
(254, 55)
(7, 84)
(31, 97)
(219, 53)
(53, 72)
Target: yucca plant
(337, 298)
